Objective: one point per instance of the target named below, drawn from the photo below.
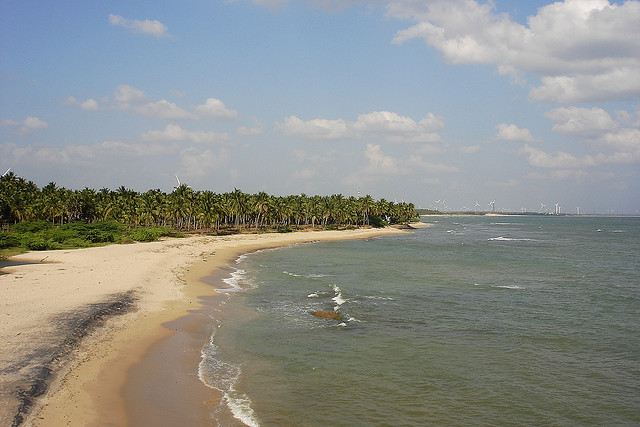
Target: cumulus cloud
(126, 94)
(89, 104)
(256, 130)
(153, 28)
(175, 133)
(197, 163)
(381, 166)
(26, 126)
(513, 133)
(583, 122)
(379, 124)
(611, 141)
(129, 98)
(583, 50)
(215, 108)
(162, 109)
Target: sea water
(472, 321)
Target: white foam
(291, 274)
(508, 286)
(240, 406)
(237, 278)
(218, 374)
(507, 239)
(338, 298)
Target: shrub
(32, 226)
(149, 234)
(37, 243)
(377, 222)
(8, 240)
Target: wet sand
(112, 335)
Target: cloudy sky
(519, 101)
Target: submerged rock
(326, 315)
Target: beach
(112, 335)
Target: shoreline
(95, 381)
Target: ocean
(510, 320)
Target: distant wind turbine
(179, 183)
(493, 205)
(542, 205)
(557, 205)
(477, 205)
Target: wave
(220, 375)
(338, 299)
(240, 406)
(291, 274)
(516, 287)
(237, 278)
(508, 239)
(508, 287)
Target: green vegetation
(52, 217)
(428, 212)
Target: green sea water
(472, 321)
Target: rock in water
(326, 315)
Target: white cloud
(26, 126)
(175, 133)
(381, 166)
(136, 149)
(216, 109)
(583, 50)
(611, 141)
(89, 104)
(129, 95)
(315, 129)
(418, 162)
(379, 163)
(162, 109)
(154, 28)
(583, 122)
(399, 128)
(198, 163)
(379, 124)
(129, 98)
(471, 149)
(513, 133)
(36, 154)
(305, 174)
(251, 131)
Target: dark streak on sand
(73, 327)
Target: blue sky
(468, 101)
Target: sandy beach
(112, 335)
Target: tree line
(186, 209)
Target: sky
(447, 104)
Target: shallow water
(472, 321)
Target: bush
(77, 242)
(377, 222)
(149, 234)
(32, 226)
(37, 243)
(285, 229)
(8, 240)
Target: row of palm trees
(188, 209)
